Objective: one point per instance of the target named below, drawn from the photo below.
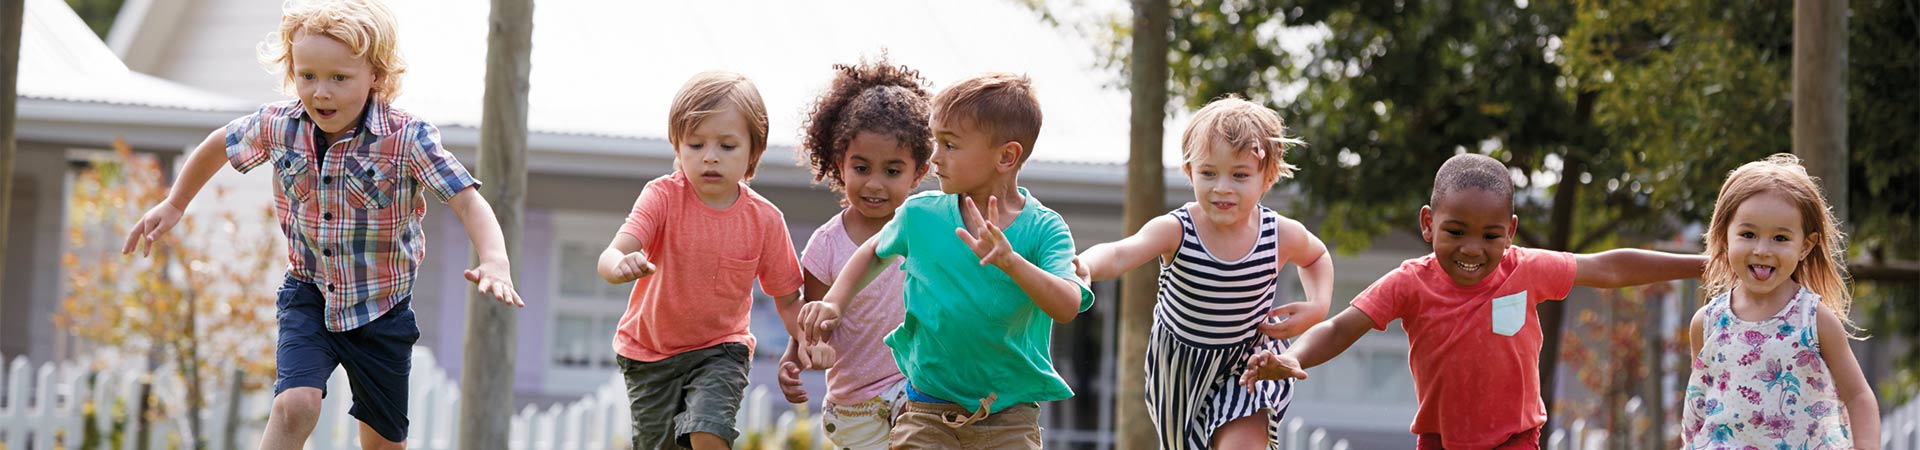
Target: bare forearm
(1100, 262)
(861, 269)
(1058, 297)
(482, 227)
(1634, 267)
(1863, 411)
(1316, 280)
(1329, 339)
(200, 167)
(789, 308)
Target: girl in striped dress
(1220, 259)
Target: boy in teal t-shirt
(982, 293)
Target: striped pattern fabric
(352, 216)
(1204, 331)
(1213, 303)
(1192, 391)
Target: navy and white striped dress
(1204, 329)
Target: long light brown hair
(1823, 270)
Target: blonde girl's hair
(1823, 271)
(1243, 126)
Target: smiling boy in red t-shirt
(1468, 309)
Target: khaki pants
(943, 426)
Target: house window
(586, 309)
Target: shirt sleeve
(817, 258)
(1554, 270)
(247, 146)
(891, 241)
(1386, 300)
(1054, 254)
(433, 166)
(649, 212)
(779, 269)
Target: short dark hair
(1475, 171)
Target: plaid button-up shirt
(352, 216)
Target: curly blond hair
(364, 26)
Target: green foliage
(98, 14)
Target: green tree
(1620, 118)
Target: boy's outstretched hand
(634, 266)
(493, 278)
(986, 239)
(1290, 320)
(1267, 365)
(154, 223)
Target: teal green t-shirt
(969, 330)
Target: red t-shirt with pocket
(1474, 350)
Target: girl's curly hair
(871, 97)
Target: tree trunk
(11, 14)
(1146, 198)
(1820, 96)
(486, 374)
(1553, 315)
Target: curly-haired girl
(868, 138)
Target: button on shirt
(370, 180)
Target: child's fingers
(992, 255)
(473, 276)
(993, 210)
(133, 237)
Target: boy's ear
(1010, 155)
(1426, 223)
(1513, 227)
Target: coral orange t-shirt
(1474, 350)
(705, 261)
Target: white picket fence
(43, 406)
(46, 405)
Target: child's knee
(298, 406)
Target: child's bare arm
(1863, 411)
(494, 274)
(1320, 343)
(1316, 281)
(201, 165)
(789, 308)
(1696, 338)
(1056, 296)
(1633, 267)
(624, 261)
(1330, 338)
(818, 318)
(1158, 237)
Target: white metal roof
(61, 59)
(612, 67)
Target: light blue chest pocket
(1510, 314)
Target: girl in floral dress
(1771, 366)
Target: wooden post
(1820, 96)
(1146, 198)
(486, 372)
(11, 15)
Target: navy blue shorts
(377, 356)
